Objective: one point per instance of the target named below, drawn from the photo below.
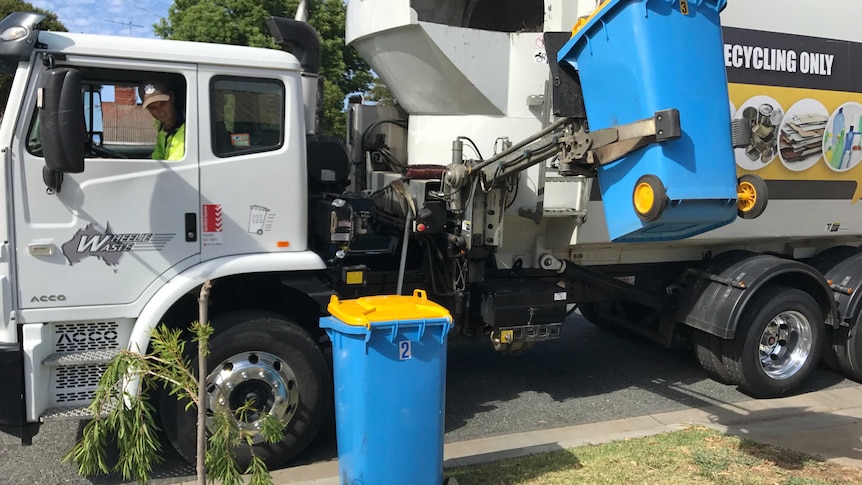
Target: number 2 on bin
(683, 7)
(405, 350)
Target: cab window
(117, 125)
(247, 114)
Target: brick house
(124, 121)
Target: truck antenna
(128, 24)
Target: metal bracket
(608, 145)
(729, 282)
(663, 126)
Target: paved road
(587, 376)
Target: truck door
(126, 223)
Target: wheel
(777, 344)
(649, 198)
(266, 359)
(751, 196)
(832, 348)
(607, 314)
(596, 313)
(588, 311)
(707, 348)
(847, 345)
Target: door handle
(191, 227)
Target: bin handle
(393, 332)
(590, 39)
(717, 5)
(420, 294)
(446, 327)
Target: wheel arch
(720, 291)
(842, 266)
(175, 298)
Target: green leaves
(130, 419)
(229, 435)
(205, 21)
(51, 22)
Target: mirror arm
(53, 180)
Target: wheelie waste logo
(108, 246)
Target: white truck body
(93, 259)
(482, 84)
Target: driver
(158, 99)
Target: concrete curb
(827, 424)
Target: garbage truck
(682, 169)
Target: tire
(777, 344)
(588, 311)
(259, 343)
(595, 314)
(649, 198)
(847, 345)
(831, 349)
(753, 197)
(707, 348)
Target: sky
(109, 17)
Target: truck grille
(79, 376)
(75, 337)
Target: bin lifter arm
(582, 152)
(608, 145)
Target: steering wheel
(103, 152)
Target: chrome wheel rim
(785, 345)
(262, 378)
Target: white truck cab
(101, 240)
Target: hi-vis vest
(170, 146)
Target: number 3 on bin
(405, 350)
(683, 7)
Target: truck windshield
(5, 87)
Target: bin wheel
(751, 196)
(777, 343)
(265, 358)
(649, 198)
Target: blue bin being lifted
(635, 58)
(389, 369)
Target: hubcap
(785, 345)
(746, 196)
(257, 377)
(644, 198)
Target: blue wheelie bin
(389, 366)
(635, 58)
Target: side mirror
(62, 111)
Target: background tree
(343, 70)
(379, 94)
(51, 22)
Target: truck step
(563, 212)
(556, 212)
(83, 357)
(75, 412)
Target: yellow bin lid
(364, 311)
